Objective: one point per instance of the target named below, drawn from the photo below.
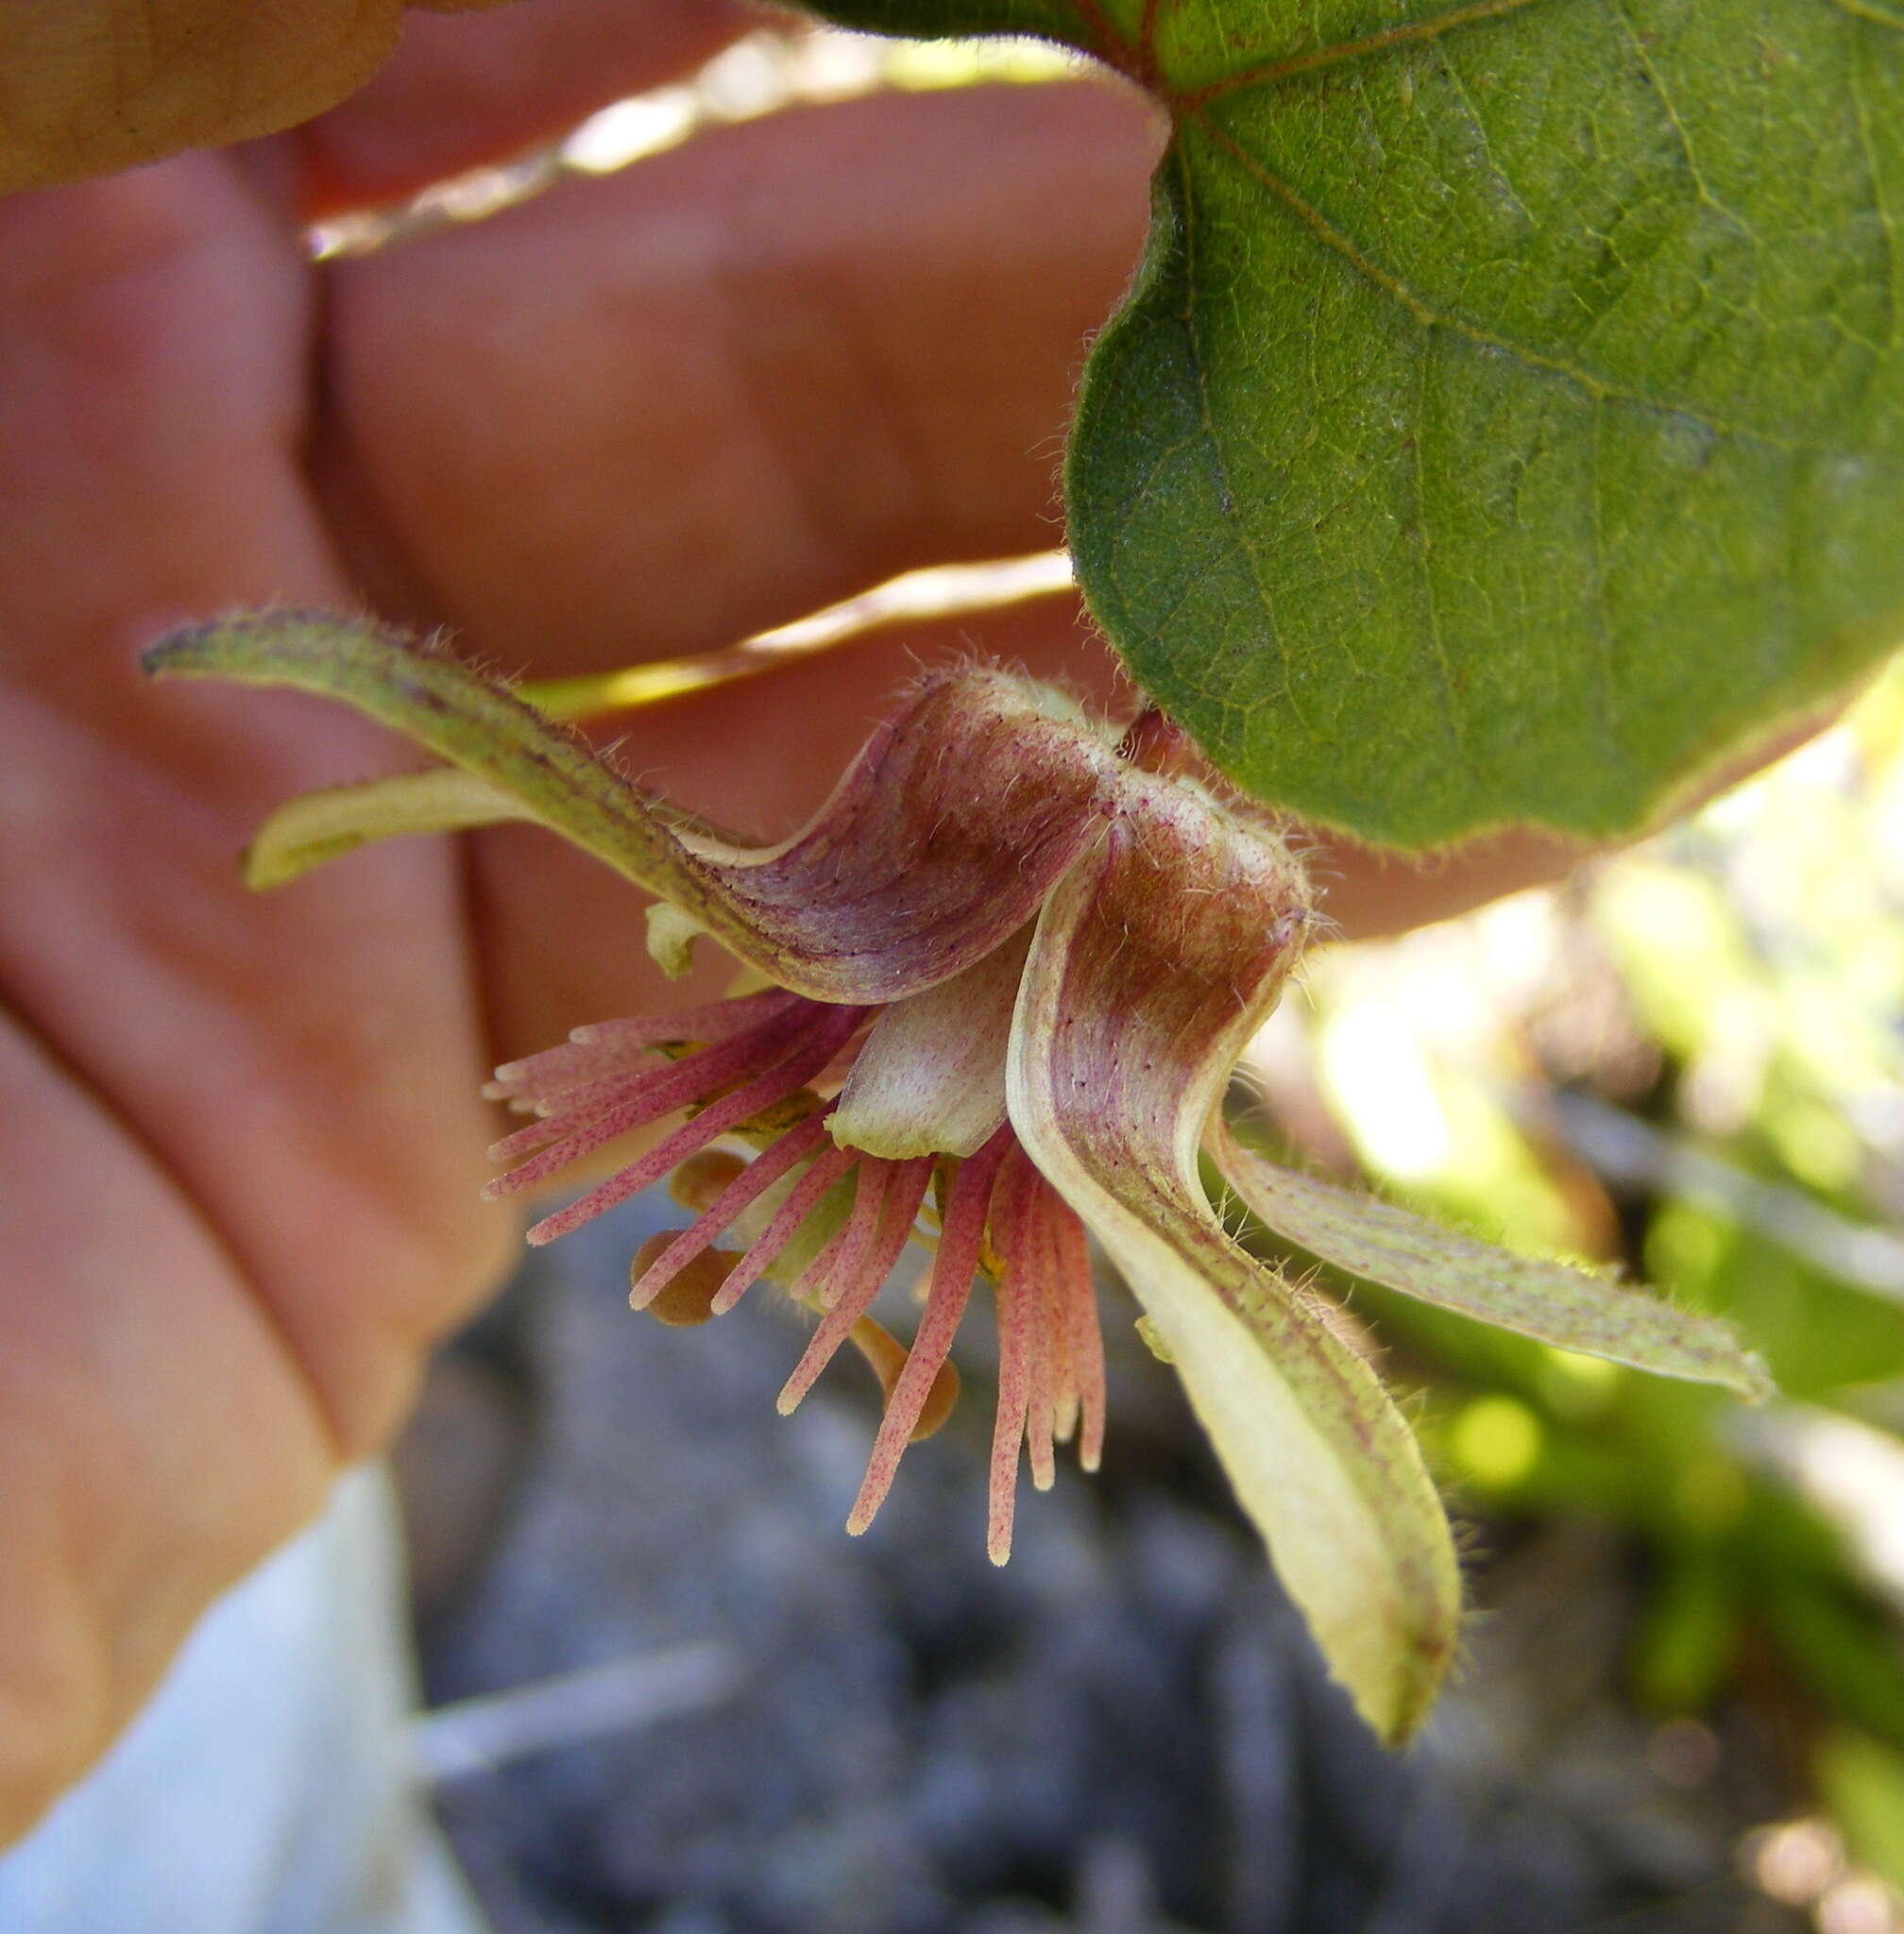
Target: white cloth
(268, 1788)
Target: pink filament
(952, 1269)
(856, 1284)
(845, 1252)
(590, 1051)
(752, 1182)
(646, 1097)
(1011, 1209)
(783, 1225)
(1050, 1355)
(1045, 1367)
(830, 1028)
(714, 1021)
(1077, 1300)
(600, 1085)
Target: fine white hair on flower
(1000, 983)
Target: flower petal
(1154, 961)
(937, 847)
(930, 1077)
(1568, 1308)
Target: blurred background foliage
(1686, 1064)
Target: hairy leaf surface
(1508, 419)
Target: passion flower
(1001, 980)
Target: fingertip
(470, 85)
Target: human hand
(635, 418)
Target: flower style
(1002, 979)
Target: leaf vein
(1239, 525)
(1429, 317)
(1675, 120)
(1335, 55)
(1438, 647)
(1867, 142)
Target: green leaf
(1509, 418)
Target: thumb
(88, 85)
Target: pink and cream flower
(1000, 984)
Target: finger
(86, 86)
(300, 1065)
(239, 1139)
(463, 92)
(655, 412)
(134, 1364)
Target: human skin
(637, 417)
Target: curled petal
(1154, 963)
(1565, 1307)
(938, 844)
(930, 1077)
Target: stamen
(885, 1356)
(831, 1026)
(757, 1056)
(1077, 1296)
(784, 1225)
(715, 1021)
(1066, 1352)
(538, 1089)
(565, 1114)
(1010, 1236)
(646, 1098)
(606, 1045)
(1063, 1380)
(1039, 1411)
(843, 1258)
(952, 1269)
(747, 1187)
(810, 1286)
(686, 1298)
(904, 1190)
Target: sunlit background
(1689, 1062)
